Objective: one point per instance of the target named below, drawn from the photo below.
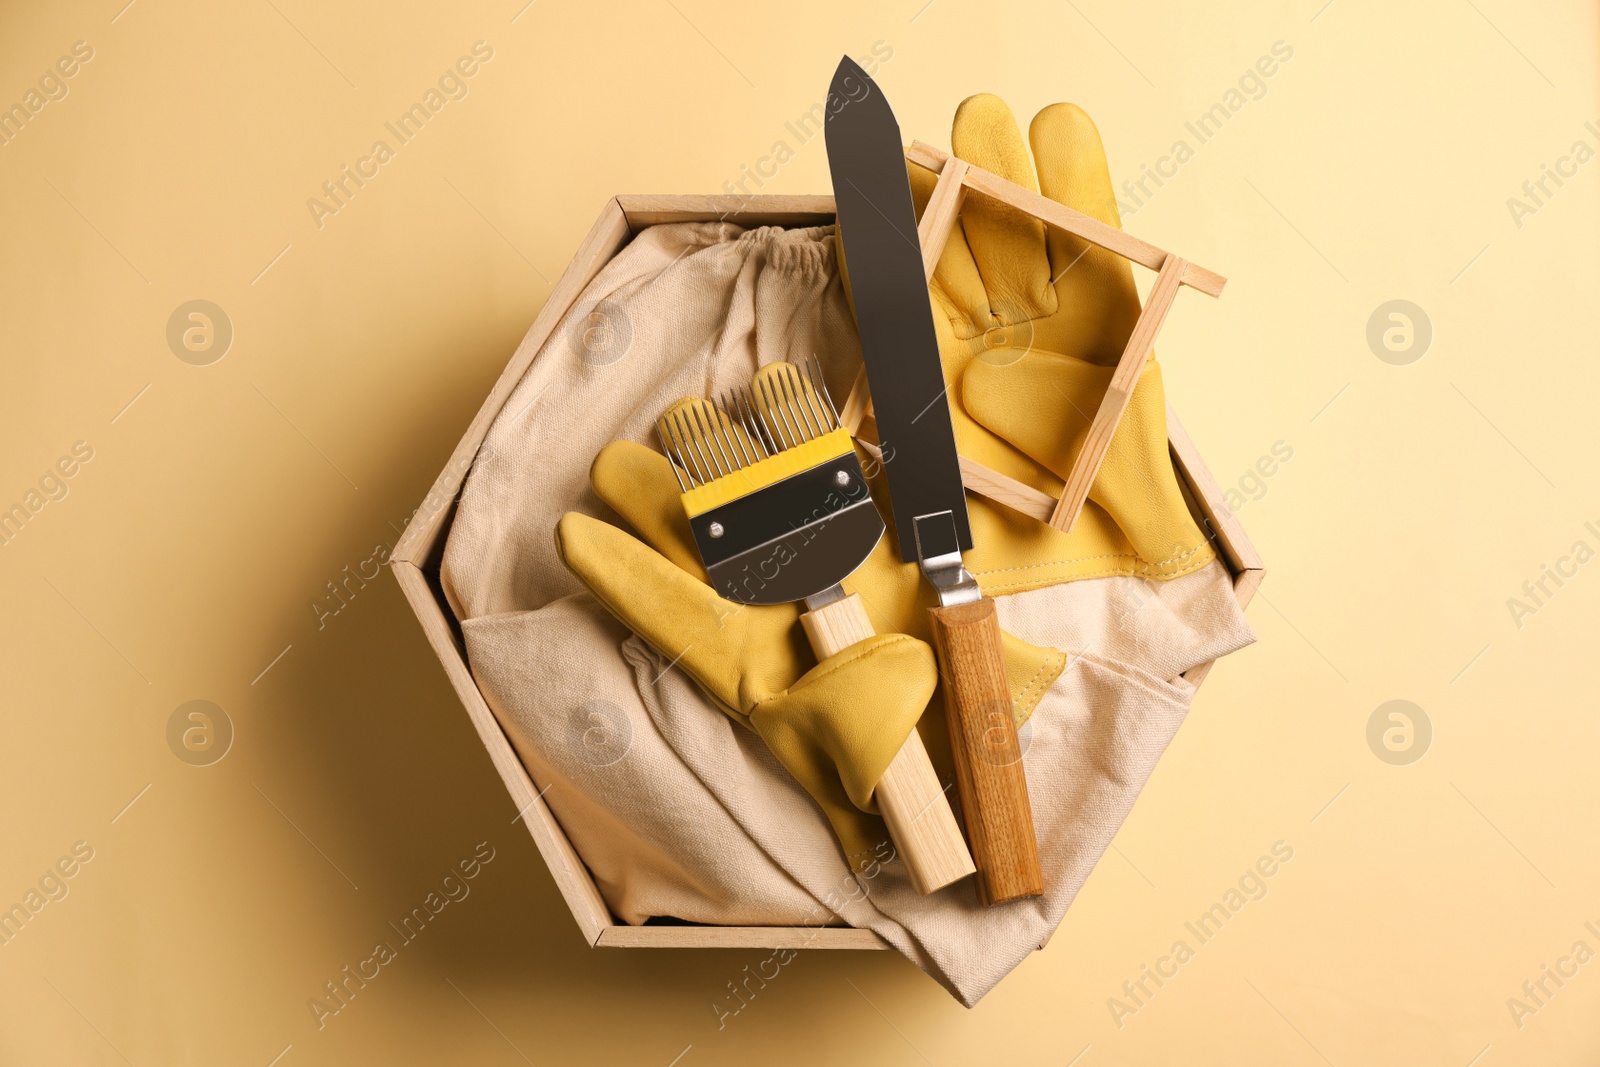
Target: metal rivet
(841, 479)
(715, 529)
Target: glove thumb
(838, 728)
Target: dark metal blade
(878, 227)
(792, 539)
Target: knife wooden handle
(983, 741)
(910, 798)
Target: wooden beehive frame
(415, 562)
(956, 177)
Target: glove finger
(715, 641)
(637, 483)
(1094, 286)
(956, 288)
(834, 739)
(1008, 245)
(1072, 162)
(1030, 670)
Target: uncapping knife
(878, 227)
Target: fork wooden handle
(983, 741)
(910, 798)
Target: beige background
(220, 499)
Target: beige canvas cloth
(678, 811)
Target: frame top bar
(1062, 217)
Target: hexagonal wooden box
(416, 560)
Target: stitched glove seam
(1026, 584)
(1056, 657)
(1170, 561)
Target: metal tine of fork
(719, 433)
(742, 447)
(778, 383)
(739, 431)
(708, 419)
(791, 407)
(672, 460)
(764, 419)
(791, 404)
(786, 409)
(813, 375)
(691, 466)
(691, 445)
(670, 446)
(752, 421)
(747, 440)
(692, 440)
(775, 400)
(728, 437)
(763, 416)
(806, 404)
(808, 392)
(770, 417)
(822, 390)
(713, 446)
(680, 469)
(720, 425)
(724, 434)
(697, 441)
(796, 389)
(809, 396)
(661, 433)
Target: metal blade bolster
(878, 226)
(940, 556)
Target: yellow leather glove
(834, 725)
(1031, 323)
